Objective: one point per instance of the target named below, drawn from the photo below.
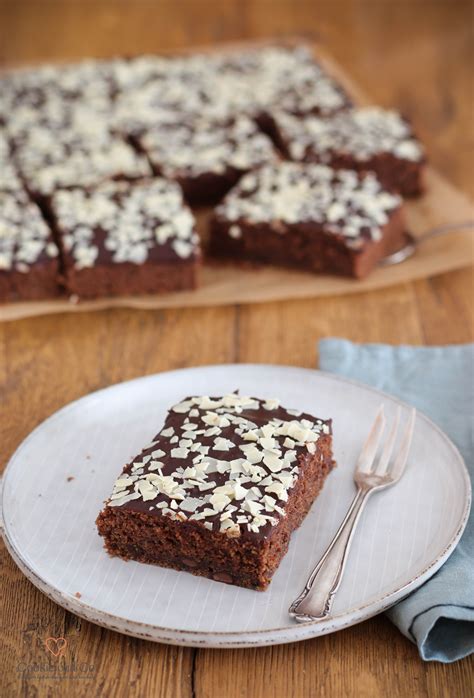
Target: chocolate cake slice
(52, 159)
(28, 253)
(206, 157)
(369, 138)
(309, 217)
(126, 238)
(220, 489)
(287, 77)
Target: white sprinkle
(167, 432)
(179, 452)
(235, 232)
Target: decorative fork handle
(315, 601)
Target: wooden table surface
(416, 55)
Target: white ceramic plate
(405, 534)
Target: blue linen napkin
(439, 381)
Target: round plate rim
(234, 639)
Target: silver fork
(370, 475)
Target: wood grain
(413, 54)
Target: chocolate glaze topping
(118, 222)
(359, 133)
(25, 239)
(349, 205)
(227, 462)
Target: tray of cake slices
(240, 173)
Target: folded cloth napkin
(439, 381)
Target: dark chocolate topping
(349, 205)
(25, 239)
(119, 222)
(359, 133)
(225, 462)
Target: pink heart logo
(56, 645)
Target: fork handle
(314, 602)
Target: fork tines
(368, 463)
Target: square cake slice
(220, 489)
(126, 238)
(368, 138)
(309, 217)
(28, 254)
(206, 157)
(83, 153)
(254, 80)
